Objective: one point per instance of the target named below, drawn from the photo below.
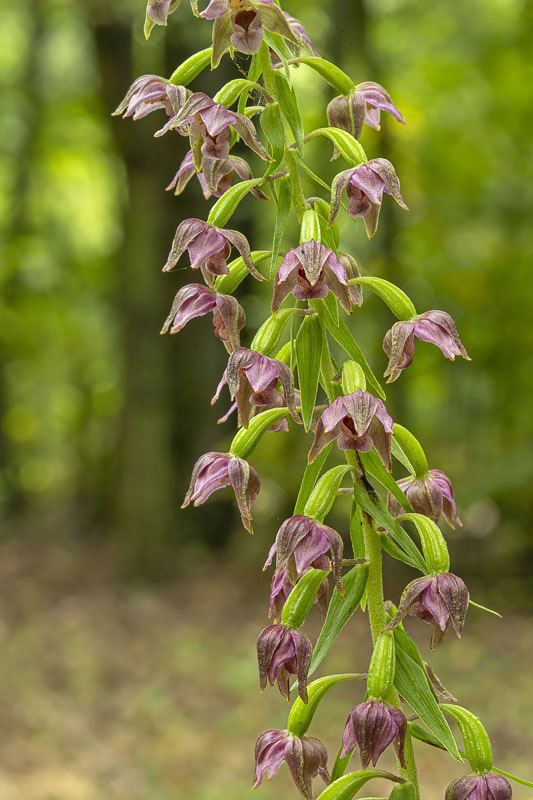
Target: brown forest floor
(114, 692)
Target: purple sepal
(311, 271)
(373, 726)
(488, 786)
(431, 495)
(196, 300)
(283, 651)
(306, 758)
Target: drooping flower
(149, 93)
(436, 327)
(359, 421)
(305, 757)
(157, 12)
(252, 380)
(209, 248)
(440, 600)
(208, 126)
(300, 541)
(431, 495)
(363, 105)
(196, 300)
(283, 651)
(365, 186)
(487, 786)
(240, 24)
(215, 177)
(214, 471)
(310, 271)
(373, 726)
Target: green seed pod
(398, 302)
(382, 667)
(226, 205)
(353, 377)
(301, 714)
(412, 449)
(226, 284)
(478, 749)
(433, 543)
(246, 439)
(323, 495)
(267, 338)
(300, 601)
(191, 67)
(310, 228)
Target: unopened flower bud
(282, 651)
(382, 666)
(489, 786)
(305, 756)
(373, 726)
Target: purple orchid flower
(158, 11)
(431, 495)
(373, 726)
(440, 600)
(305, 757)
(215, 177)
(283, 651)
(209, 249)
(363, 105)
(310, 271)
(365, 186)
(149, 93)
(208, 126)
(436, 327)
(240, 24)
(252, 380)
(487, 786)
(196, 300)
(359, 421)
(300, 541)
(281, 587)
(214, 471)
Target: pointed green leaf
(412, 684)
(340, 610)
(387, 521)
(375, 467)
(309, 344)
(283, 198)
(272, 125)
(289, 107)
(410, 445)
(310, 476)
(400, 455)
(266, 340)
(392, 549)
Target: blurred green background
(127, 625)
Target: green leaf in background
(310, 477)
(331, 73)
(226, 205)
(375, 467)
(309, 345)
(283, 199)
(289, 108)
(340, 610)
(387, 521)
(412, 684)
(301, 714)
(346, 788)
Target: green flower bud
(310, 228)
(246, 439)
(398, 302)
(190, 68)
(352, 377)
(267, 338)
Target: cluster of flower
(262, 387)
